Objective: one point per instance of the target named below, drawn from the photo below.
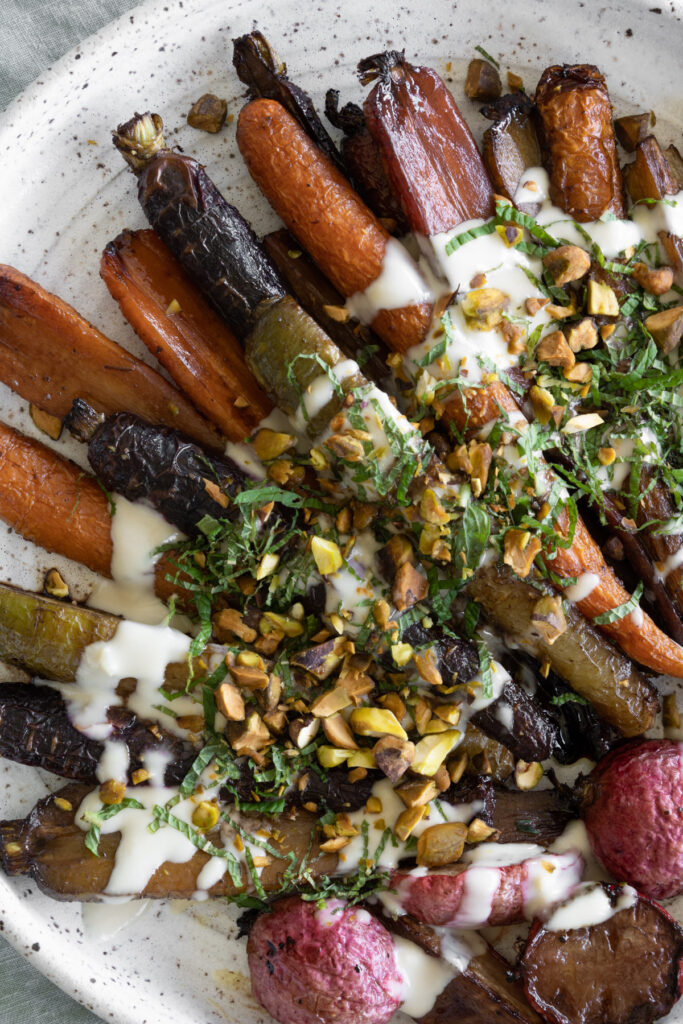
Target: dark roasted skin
(485, 991)
(48, 846)
(193, 344)
(364, 163)
(206, 235)
(577, 141)
(532, 735)
(138, 460)
(538, 816)
(431, 158)
(35, 729)
(623, 971)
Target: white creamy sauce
(136, 530)
(583, 588)
(673, 562)
(399, 284)
(135, 651)
(106, 919)
(589, 905)
(156, 762)
(616, 475)
(350, 587)
(140, 852)
(501, 854)
(113, 763)
(322, 390)
(424, 977)
(575, 837)
(549, 880)
(652, 218)
(533, 186)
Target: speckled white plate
(65, 193)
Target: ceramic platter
(65, 194)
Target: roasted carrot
(395, 118)
(53, 502)
(50, 355)
(578, 143)
(636, 634)
(187, 336)
(431, 157)
(319, 206)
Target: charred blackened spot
(272, 948)
(290, 943)
(356, 968)
(271, 969)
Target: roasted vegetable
(651, 176)
(43, 339)
(364, 165)
(46, 637)
(138, 460)
(317, 204)
(577, 142)
(510, 147)
(485, 990)
(35, 729)
(49, 500)
(410, 114)
(184, 333)
(580, 655)
(324, 303)
(259, 67)
(48, 846)
(307, 967)
(625, 968)
(206, 235)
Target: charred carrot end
(52, 502)
(578, 140)
(43, 338)
(319, 206)
(187, 336)
(635, 633)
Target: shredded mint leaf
(614, 614)
(92, 839)
(467, 236)
(485, 669)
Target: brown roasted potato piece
(577, 140)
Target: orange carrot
(53, 502)
(192, 342)
(50, 355)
